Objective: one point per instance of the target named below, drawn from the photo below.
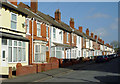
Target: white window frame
(13, 20)
(54, 33)
(40, 52)
(61, 35)
(17, 51)
(47, 28)
(39, 29)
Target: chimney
(34, 5)
(92, 34)
(96, 37)
(103, 42)
(14, 2)
(58, 15)
(72, 23)
(87, 31)
(80, 28)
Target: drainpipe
(50, 40)
(32, 39)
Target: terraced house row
(29, 37)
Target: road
(93, 73)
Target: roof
(12, 7)
(29, 12)
(62, 45)
(89, 37)
(78, 33)
(53, 22)
(13, 36)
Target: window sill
(39, 36)
(67, 42)
(28, 34)
(17, 62)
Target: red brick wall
(74, 39)
(46, 67)
(43, 30)
(65, 38)
(24, 70)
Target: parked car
(110, 56)
(99, 59)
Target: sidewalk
(45, 75)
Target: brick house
(37, 31)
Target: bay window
(40, 53)
(16, 51)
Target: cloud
(99, 15)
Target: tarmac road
(107, 72)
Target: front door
(4, 55)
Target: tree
(115, 44)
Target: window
(10, 51)
(46, 31)
(67, 37)
(72, 38)
(16, 51)
(37, 53)
(83, 41)
(53, 52)
(68, 55)
(54, 33)
(79, 53)
(90, 43)
(40, 53)
(60, 35)
(43, 53)
(24, 53)
(59, 52)
(4, 41)
(79, 40)
(27, 25)
(38, 29)
(47, 49)
(13, 21)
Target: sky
(100, 17)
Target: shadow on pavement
(109, 79)
(112, 66)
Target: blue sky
(100, 17)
